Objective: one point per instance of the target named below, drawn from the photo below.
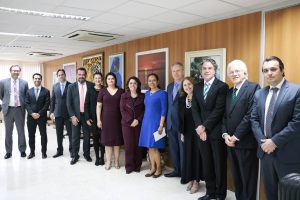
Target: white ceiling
(131, 18)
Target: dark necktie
(175, 90)
(270, 113)
(233, 97)
(36, 93)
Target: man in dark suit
(208, 109)
(37, 102)
(59, 112)
(175, 144)
(237, 131)
(12, 93)
(76, 95)
(275, 121)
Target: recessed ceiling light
(25, 35)
(44, 14)
(15, 46)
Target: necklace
(188, 102)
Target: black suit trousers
(60, 122)
(244, 168)
(31, 125)
(213, 155)
(76, 132)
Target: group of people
(205, 122)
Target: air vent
(43, 54)
(90, 36)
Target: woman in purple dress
(154, 118)
(132, 110)
(109, 119)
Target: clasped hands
(230, 140)
(35, 115)
(201, 132)
(268, 146)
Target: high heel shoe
(189, 187)
(117, 165)
(108, 165)
(156, 175)
(150, 174)
(195, 188)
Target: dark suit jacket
(58, 102)
(73, 98)
(209, 112)
(172, 115)
(285, 123)
(40, 105)
(132, 110)
(236, 120)
(90, 105)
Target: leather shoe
(97, 162)
(150, 174)
(101, 162)
(88, 158)
(58, 154)
(207, 197)
(23, 154)
(31, 155)
(172, 174)
(74, 160)
(44, 155)
(156, 175)
(7, 156)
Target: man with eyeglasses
(275, 121)
(12, 93)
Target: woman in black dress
(109, 119)
(91, 118)
(192, 171)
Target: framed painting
(116, 65)
(194, 58)
(70, 69)
(153, 61)
(93, 64)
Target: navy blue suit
(285, 130)
(242, 157)
(175, 143)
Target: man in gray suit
(76, 96)
(59, 112)
(275, 121)
(12, 93)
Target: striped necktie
(205, 91)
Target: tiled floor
(56, 179)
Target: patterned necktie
(233, 97)
(62, 88)
(81, 98)
(270, 113)
(36, 93)
(175, 90)
(16, 99)
(205, 91)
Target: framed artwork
(70, 69)
(116, 65)
(153, 61)
(93, 64)
(54, 78)
(194, 58)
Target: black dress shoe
(207, 197)
(97, 162)
(156, 175)
(74, 160)
(129, 172)
(172, 174)
(31, 155)
(101, 162)
(183, 181)
(88, 158)
(23, 154)
(44, 155)
(7, 156)
(58, 154)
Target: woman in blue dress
(154, 118)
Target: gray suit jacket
(73, 99)
(5, 90)
(172, 115)
(58, 104)
(285, 123)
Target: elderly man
(12, 93)
(209, 105)
(237, 131)
(275, 121)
